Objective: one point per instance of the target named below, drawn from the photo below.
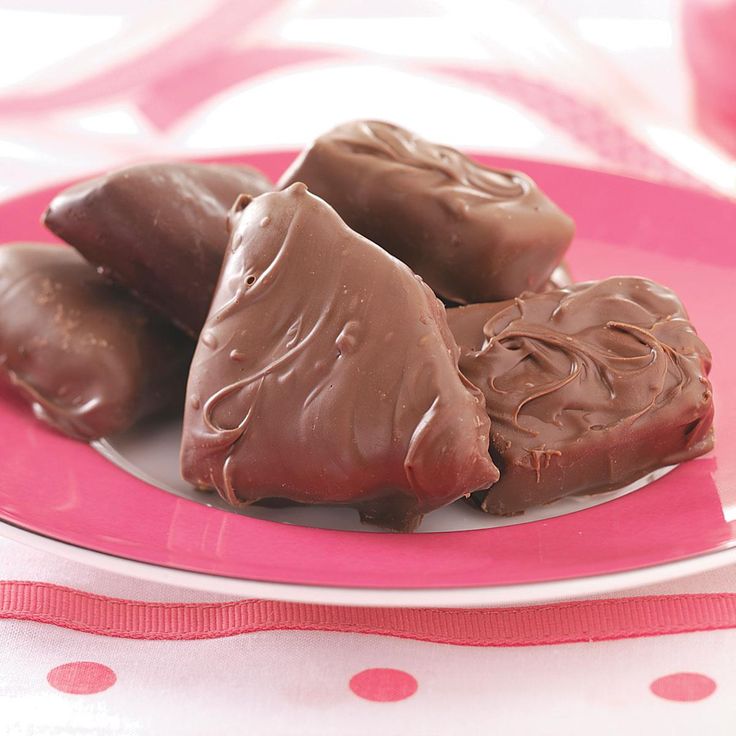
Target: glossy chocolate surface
(89, 358)
(559, 278)
(474, 234)
(326, 374)
(588, 388)
(157, 229)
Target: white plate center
(150, 451)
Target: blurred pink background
(600, 84)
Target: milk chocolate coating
(89, 358)
(157, 229)
(589, 388)
(326, 374)
(474, 234)
(559, 278)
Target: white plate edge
(461, 597)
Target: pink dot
(683, 687)
(81, 678)
(383, 685)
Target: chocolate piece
(89, 358)
(326, 374)
(589, 388)
(474, 234)
(467, 323)
(560, 278)
(157, 229)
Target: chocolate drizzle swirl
(460, 175)
(473, 233)
(589, 387)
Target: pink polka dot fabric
(329, 683)
(100, 662)
(684, 687)
(383, 685)
(81, 678)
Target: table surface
(139, 80)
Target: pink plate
(66, 491)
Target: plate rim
(461, 597)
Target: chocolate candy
(326, 374)
(559, 278)
(589, 388)
(157, 229)
(89, 358)
(474, 234)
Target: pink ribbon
(590, 620)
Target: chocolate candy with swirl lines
(326, 374)
(589, 388)
(473, 233)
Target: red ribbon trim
(591, 620)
